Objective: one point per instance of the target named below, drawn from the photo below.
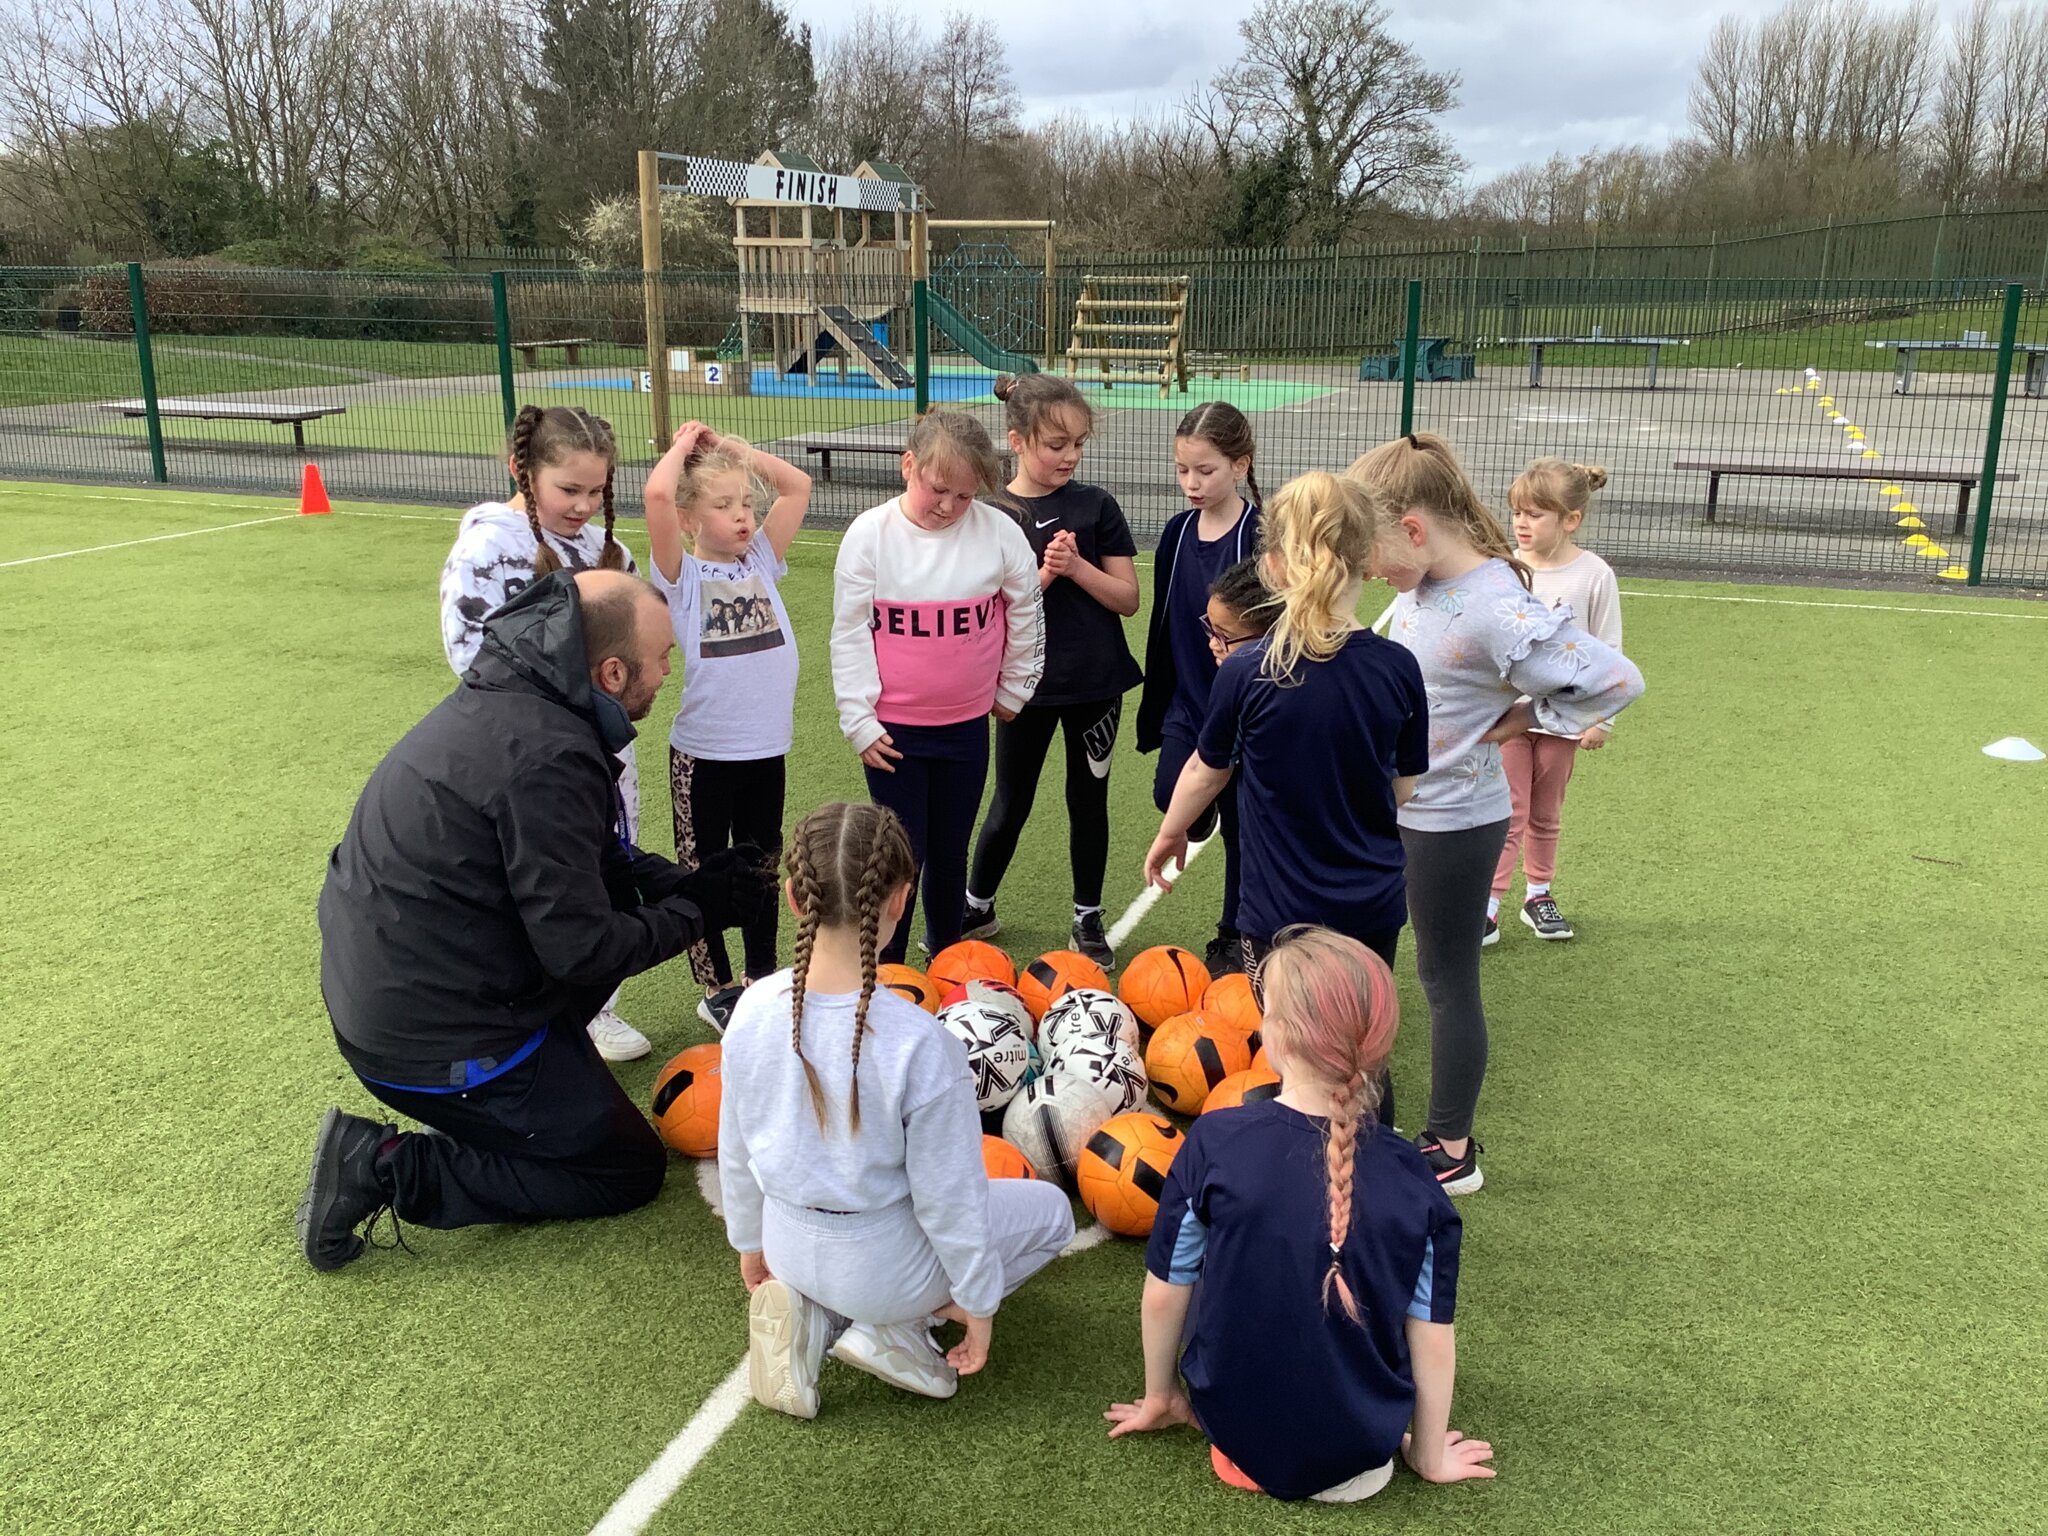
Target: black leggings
(716, 805)
(554, 1137)
(1021, 746)
(1449, 877)
(1383, 943)
(1174, 753)
(937, 798)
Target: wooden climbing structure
(1132, 328)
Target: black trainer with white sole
(1090, 940)
(715, 1008)
(1541, 914)
(980, 922)
(1492, 935)
(1455, 1175)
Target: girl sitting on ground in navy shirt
(1320, 1342)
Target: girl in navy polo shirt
(1319, 1342)
(1321, 725)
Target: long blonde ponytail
(1317, 539)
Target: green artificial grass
(1758, 1250)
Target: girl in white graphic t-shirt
(727, 752)
(562, 459)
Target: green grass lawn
(1758, 1251)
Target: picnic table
(1536, 344)
(1961, 473)
(822, 448)
(293, 416)
(2036, 354)
(572, 349)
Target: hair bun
(1596, 474)
(1003, 385)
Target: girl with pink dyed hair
(1318, 1343)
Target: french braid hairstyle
(1229, 431)
(1418, 472)
(1242, 589)
(542, 436)
(1317, 538)
(845, 860)
(1332, 1011)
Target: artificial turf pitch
(1759, 1249)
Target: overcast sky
(1566, 75)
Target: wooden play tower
(823, 277)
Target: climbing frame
(1132, 328)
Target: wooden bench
(1215, 365)
(822, 448)
(1961, 473)
(2036, 354)
(293, 416)
(572, 349)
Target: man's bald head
(626, 637)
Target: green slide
(969, 338)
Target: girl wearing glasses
(1322, 725)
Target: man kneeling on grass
(482, 905)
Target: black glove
(731, 888)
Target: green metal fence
(400, 389)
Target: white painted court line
(1796, 602)
(157, 538)
(1148, 898)
(645, 1496)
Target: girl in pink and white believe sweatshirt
(936, 625)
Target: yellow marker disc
(1892, 490)
(1827, 399)
(1909, 522)
(1916, 541)
(1954, 573)
(1906, 507)
(1934, 552)
(1872, 453)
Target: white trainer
(785, 1348)
(901, 1354)
(616, 1039)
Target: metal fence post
(1409, 347)
(138, 307)
(2007, 333)
(501, 320)
(920, 309)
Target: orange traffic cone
(313, 494)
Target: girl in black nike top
(1086, 572)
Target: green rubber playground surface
(1765, 1194)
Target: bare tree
(1326, 80)
(975, 103)
(1722, 105)
(1961, 105)
(873, 100)
(2018, 117)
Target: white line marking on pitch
(645, 1496)
(1798, 602)
(157, 538)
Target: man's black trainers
(1225, 954)
(1492, 934)
(1456, 1175)
(1541, 914)
(343, 1191)
(1091, 941)
(979, 922)
(716, 1008)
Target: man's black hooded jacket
(483, 888)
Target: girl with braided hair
(849, 1146)
(562, 458)
(1321, 1341)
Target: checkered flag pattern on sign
(716, 178)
